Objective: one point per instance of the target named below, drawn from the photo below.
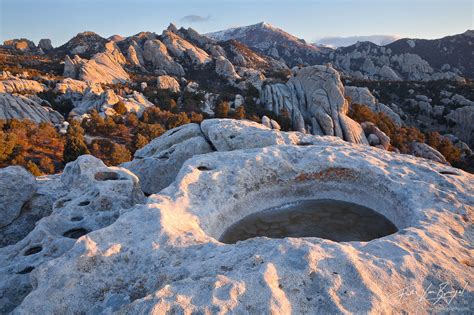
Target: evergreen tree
(222, 110)
(75, 143)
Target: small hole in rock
(203, 168)
(78, 218)
(33, 250)
(84, 203)
(25, 271)
(232, 136)
(304, 143)
(103, 176)
(75, 233)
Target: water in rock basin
(335, 220)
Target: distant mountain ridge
(273, 42)
(449, 58)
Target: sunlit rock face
(314, 94)
(165, 256)
(105, 67)
(20, 107)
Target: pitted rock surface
(91, 197)
(165, 256)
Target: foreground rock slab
(17, 186)
(165, 256)
(89, 196)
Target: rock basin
(335, 220)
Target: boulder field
(107, 248)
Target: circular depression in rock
(335, 220)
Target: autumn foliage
(401, 137)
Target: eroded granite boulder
(165, 256)
(91, 197)
(20, 107)
(316, 94)
(17, 186)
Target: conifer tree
(75, 143)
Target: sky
(60, 20)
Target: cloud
(193, 18)
(335, 42)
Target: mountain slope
(273, 42)
(455, 51)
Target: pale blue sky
(62, 19)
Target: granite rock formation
(164, 256)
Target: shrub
(195, 117)
(150, 131)
(222, 109)
(401, 137)
(120, 108)
(139, 141)
(75, 143)
(46, 165)
(33, 168)
(239, 113)
(444, 146)
(109, 152)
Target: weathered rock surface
(156, 52)
(378, 136)
(17, 85)
(93, 196)
(270, 123)
(165, 155)
(425, 151)
(105, 67)
(225, 68)
(165, 256)
(179, 47)
(45, 44)
(396, 62)
(362, 96)
(95, 98)
(21, 44)
(315, 93)
(166, 82)
(17, 186)
(21, 107)
(71, 87)
(49, 189)
(463, 118)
